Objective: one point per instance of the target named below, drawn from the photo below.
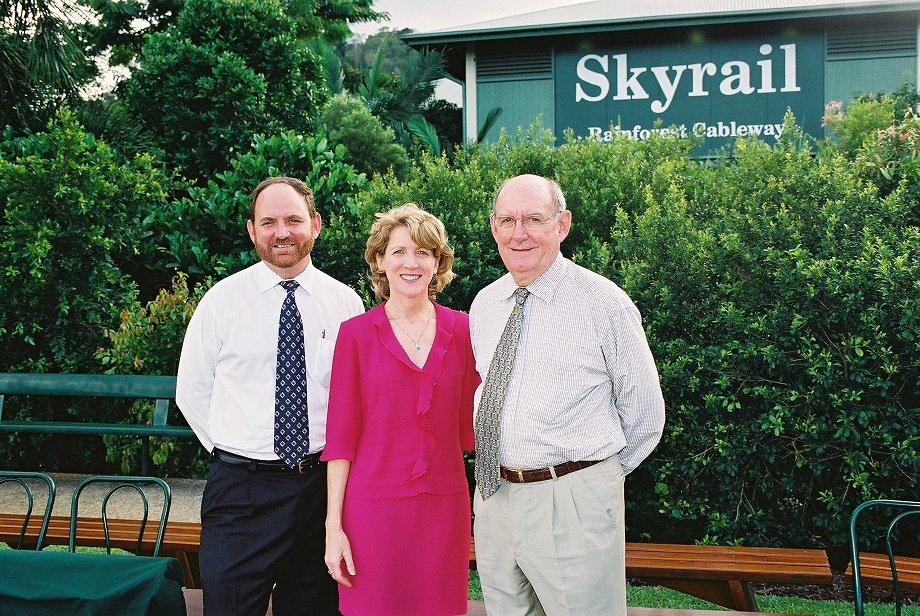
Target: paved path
(186, 499)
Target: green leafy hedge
(70, 236)
(779, 289)
(780, 292)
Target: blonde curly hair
(425, 230)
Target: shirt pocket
(321, 367)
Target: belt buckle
(517, 471)
(308, 462)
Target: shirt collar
(268, 278)
(543, 287)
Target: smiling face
(282, 229)
(528, 253)
(409, 267)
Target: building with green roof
(719, 69)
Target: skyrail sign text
(720, 90)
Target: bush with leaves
(225, 72)
(70, 231)
(785, 321)
(890, 159)
(204, 234)
(858, 121)
(148, 340)
(371, 145)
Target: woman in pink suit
(400, 417)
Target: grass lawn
(656, 596)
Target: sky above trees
(424, 15)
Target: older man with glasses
(570, 404)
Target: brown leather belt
(516, 475)
(309, 462)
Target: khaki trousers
(556, 547)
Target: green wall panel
(522, 101)
(845, 78)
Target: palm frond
(425, 132)
(488, 123)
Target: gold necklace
(393, 320)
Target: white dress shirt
(226, 379)
(584, 384)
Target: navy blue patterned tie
(292, 428)
(488, 418)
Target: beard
(289, 257)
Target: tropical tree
(399, 100)
(70, 233)
(330, 19)
(371, 145)
(227, 70)
(123, 26)
(41, 60)
(398, 84)
(359, 55)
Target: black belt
(516, 475)
(309, 462)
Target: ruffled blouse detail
(427, 376)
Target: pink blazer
(404, 428)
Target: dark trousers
(263, 535)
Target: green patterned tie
(488, 418)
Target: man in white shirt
(580, 409)
(262, 518)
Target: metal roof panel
(596, 14)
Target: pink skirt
(411, 556)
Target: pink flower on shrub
(833, 111)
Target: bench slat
(875, 571)
(101, 385)
(85, 427)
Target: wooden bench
(717, 574)
(720, 574)
(181, 541)
(875, 571)
(159, 388)
(723, 574)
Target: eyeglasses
(531, 222)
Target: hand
(338, 549)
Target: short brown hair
(294, 183)
(425, 230)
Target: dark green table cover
(82, 584)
